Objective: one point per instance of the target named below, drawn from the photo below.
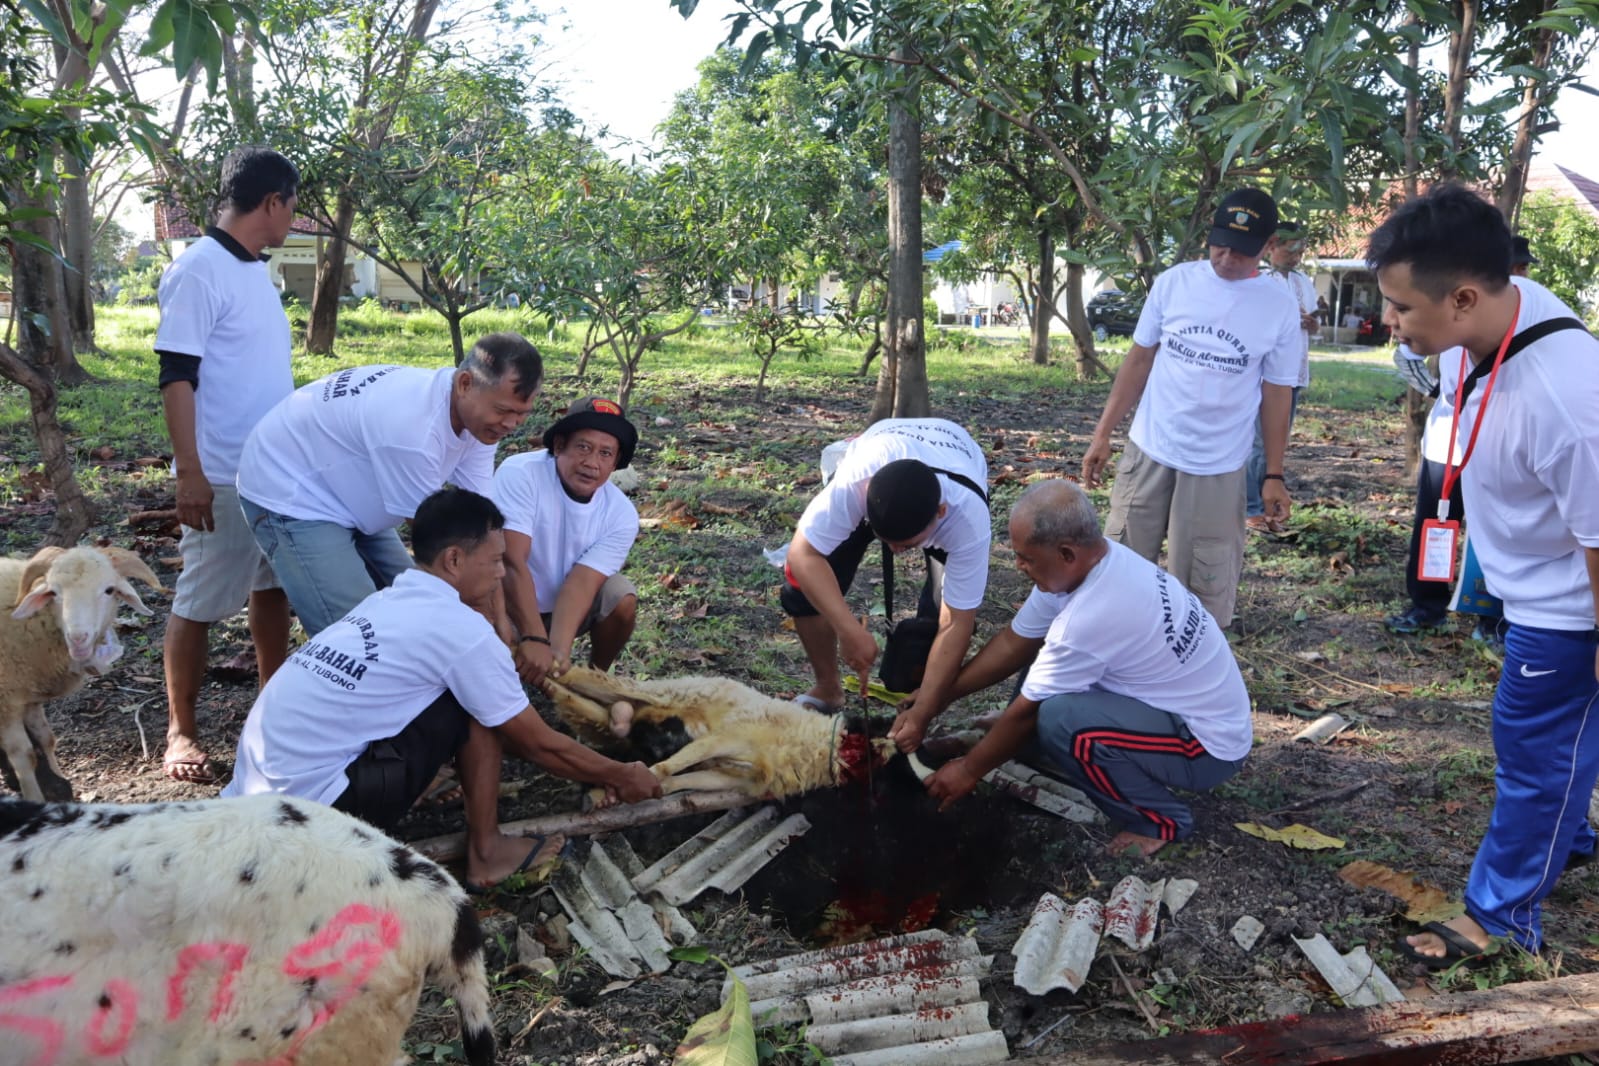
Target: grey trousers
(1200, 518)
(1125, 754)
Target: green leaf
(752, 56)
(47, 19)
(161, 29)
(725, 1037)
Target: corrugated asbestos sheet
(1061, 940)
(723, 855)
(903, 999)
(1044, 792)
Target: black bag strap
(1530, 335)
(888, 556)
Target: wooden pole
(1511, 1023)
(580, 823)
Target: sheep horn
(128, 564)
(35, 571)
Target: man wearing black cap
(914, 483)
(1284, 252)
(1521, 257)
(568, 532)
(1229, 345)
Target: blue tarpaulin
(933, 255)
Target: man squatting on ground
(363, 716)
(329, 473)
(1132, 688)
(223, 326)
(895, 483)
(568, 532)
(1228, 345)
(1530, 478)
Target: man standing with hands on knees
(913, 483)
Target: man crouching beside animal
(364, 714)
(1131, 689)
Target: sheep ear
(125, 593)
(34, 602)
(129, 565)
(34, 573)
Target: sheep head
(84, 587)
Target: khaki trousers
(1200, 517)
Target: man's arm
(1276, 404)
(194, 491)
(816, 580)
(1005, 653)
(958, 777)
(1131, 378)
(943, 664)
(572, 604)
(527, 736)
(522, 606)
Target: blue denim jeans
(325, 568)
(1255, 469)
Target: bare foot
(823, 702)
(186, 761)
(1432, 945)
(1126, 840)
(443, 789)
(506, 856)
(987, 719)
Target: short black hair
(251, 174)
(495, 354)
(902, 499)
(1446, 235)
(452, 517)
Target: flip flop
(190, 771)
(1458, 949)
(539, 840)
(817, 704)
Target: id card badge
(1439, 539)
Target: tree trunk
(1532, 101)
(1462, 44)
(324, 325)
(44, 332)
(1088, 364)
(1044, 297)
(73, 512)
(1412, 116)
(77, 248)
(902, 383)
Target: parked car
(1113, 313)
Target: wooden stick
(582, 823)
(537, 1016)
(1327, 797)
(1511, 1023)
(1143, 1008)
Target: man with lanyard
(1131, 689)
(1284, 251)
(913, 483)
(568, 532)
(1529, 465)
(1216, 346)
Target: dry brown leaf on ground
(1424, 903)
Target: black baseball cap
(902, 499)
(596, 412)
(1521, 252)
(1245, 220)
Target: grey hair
(1057, 512)
(497, 354)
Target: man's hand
(1094, 460)
(1275, 500)
(950, 782)
(908, 730)
(533, 661)
(859, 648)
(1309, 322)
(194, 500)
(634, 783)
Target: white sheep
(263, 930)
(731, 736)
(48, 654)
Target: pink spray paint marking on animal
(117, 1011)
(232, 956)
(49, 1033)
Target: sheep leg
(704, 750)
(52, 779)
(579, 706)
(705, 781)
(19, 749)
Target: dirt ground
(1409, 785)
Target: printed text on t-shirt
(1181, 641)
(1212, 360)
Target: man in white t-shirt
(329, 473)
(1132, 688)
(223, 327)
(913, 483)
(1216, 346)
(568, 531)
(362, 717)
(1441, 262)
(1284, 251)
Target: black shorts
(845, 560)
(390, 775)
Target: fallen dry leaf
(1295, 836)
(1424, 903)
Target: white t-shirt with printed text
(362, 448)
(965, 530)
(363, 679)
(1532, 483)
(1303, 290)
(565, 532)
(1133, 629)
(1217, 341)
(226, 312)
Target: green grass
(1353, 386)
